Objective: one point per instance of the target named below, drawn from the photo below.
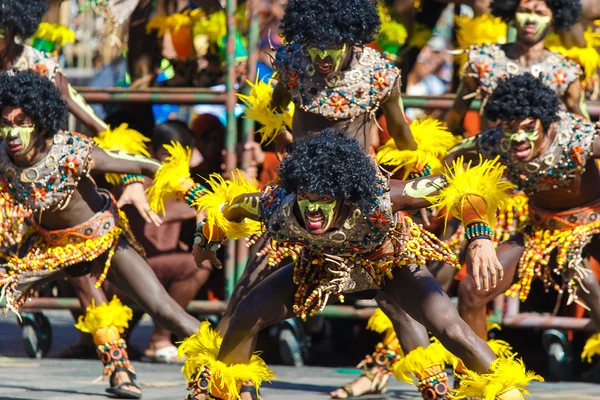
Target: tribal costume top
(348, 94)
(357, 256)
(42, 63)
(491, 64)
(565, 159)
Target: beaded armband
(199, 383)
(420, 173)
(193, 194)
(132, 178)
(201, 238)
(435, 385)
(114, 355)
(383, 358)
(478, 229)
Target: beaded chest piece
(565, 159)
(42, 63)
(491, 64)
(50, 183)
(360, 233)
(345, 94)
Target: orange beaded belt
(569, 219)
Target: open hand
(202, 255)
(483, 264)
(134, 194)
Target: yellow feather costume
(433, 141)
(122, 139)
(55, 33)
(258, 109)
(506, 374)
(587, 57)
(592, 348)
(202, 349)
(418, 361)
(105, 315)
(223, 192)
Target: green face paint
(532, 137)
(327, 209)
(336, 55)
(541, 23)
(23, 132)
(2, 33)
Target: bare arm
(281, 97)
(78, 106)
(466, 148)
(596, 144)
(122, 163)
(398, 128)
(456, 114)
(412, 194)
(242, 207)
(572, 98)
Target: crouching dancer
(333, 201)
(74, 227)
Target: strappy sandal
(118, 391)
(378, 386)
(252, 390)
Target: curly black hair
(522, 97)
(328, 23)
(37, 96)
(330, 163)
(565, 13)
(23, 16)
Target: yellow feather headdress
(483, 29)
(55, 33)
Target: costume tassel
(505, 374)
(379, 322)
(433, 143)
(592, 348)
(258, 109)
(168, 180)
(202, 349)
(223, 192)
(483, 180)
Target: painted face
(327, 61)
(523, 137)
(533, 20)
(16, 129)
(2, 33)
(318, 212)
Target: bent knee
(468, 296)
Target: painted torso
(50, 183)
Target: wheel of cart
(560, 354)
(36, 334)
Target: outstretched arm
(413, 194)
(462, 102)
(78, 106)
(122, 163)
(242, 207)
(393, 110)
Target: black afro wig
(23, 16)
(565, 13)
(37, 96)
(329, 163)
(522, 97)
(328, 23)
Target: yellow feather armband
(258, 109)
(473, 186)
(220, 193)
(433, 141)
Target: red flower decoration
(39, 194)
(560, 77)
(576, 154)
(40, 69)
(483, 68)
(293, 80)
(338, 102)
(71, 165)
(378, 218)
(380, 81)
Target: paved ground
(26, 378)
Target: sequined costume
(353, 92)
(47, 186)
(568, 231)
(489, 63)
(44, 64)
(358, 256)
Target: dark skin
(129, 271)
(583, 190)
(414, 289)
(527, 50)
(360, 128)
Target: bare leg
(590, 293)
(472, 302)
(132, 274)
(268, 303)
(257, 270)
(416, 290)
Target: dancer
(550, 155)
(333, 201)
(75, 228)
(490, 63)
